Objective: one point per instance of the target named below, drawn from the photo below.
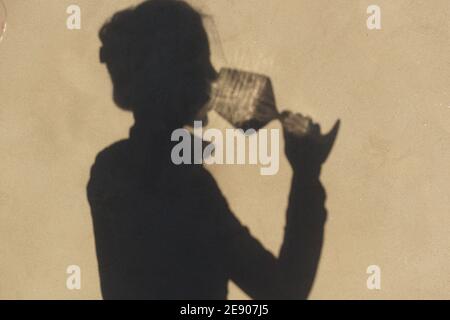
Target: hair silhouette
(164, 231)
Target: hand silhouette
(305, 146)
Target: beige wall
(387, 179)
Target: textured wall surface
(387, 180)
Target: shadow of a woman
(164, 231)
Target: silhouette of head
(158, 57)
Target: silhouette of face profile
(158, 57)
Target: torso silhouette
(166, 232)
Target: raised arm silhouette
(164, 231)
